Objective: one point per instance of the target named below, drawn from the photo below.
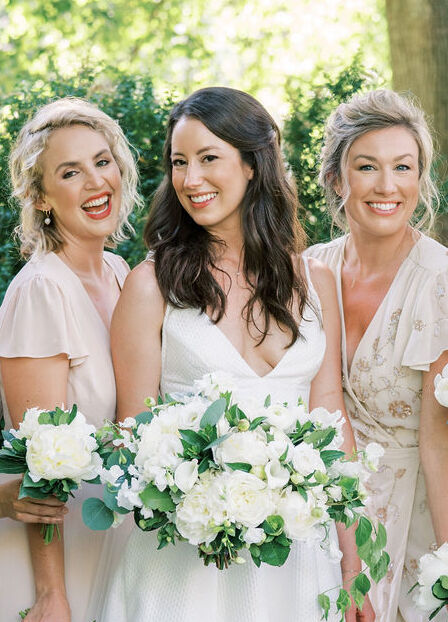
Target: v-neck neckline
(346, 370)
(80, 285)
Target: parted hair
(26, 170)
(363, 113)
(185, 253)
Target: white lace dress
(173, 585)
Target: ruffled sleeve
(429, 323)
(37, 321)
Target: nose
(193, 175)
(386, 183)
(94, 178)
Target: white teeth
(384, 207)
(96, 202)
(203, 197)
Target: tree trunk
(418, 35)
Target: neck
(85, 259)
(232, 249)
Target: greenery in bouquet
(238, 478)
(55, 450)
(431, 594)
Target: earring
(47, 220)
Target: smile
(201, 200)
(99, 207)
(385, 208)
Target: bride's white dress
(173, 585)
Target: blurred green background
(134, 58)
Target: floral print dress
(382, 392)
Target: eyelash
(180, 162)
(370, 167)
(101, 163)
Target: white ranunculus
(373, 453)
(298, 517)
(64, 451)
(282, 417)
(254, 535)
(186, 474)
(111, 475)
(431, 567)
(29, 425)
(277, 476)
(306, 459)
(213, 384)
(249, 447)
(249, 500)
(441, 388)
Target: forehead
(191, 134)
(72, 144)
(388, 142)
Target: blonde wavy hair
(26, 170)
(363, 113)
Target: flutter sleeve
(37, 321)
(428, 336)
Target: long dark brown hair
(185, 253)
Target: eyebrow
(372, 159)
(76, 163)
(177, 153)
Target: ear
(249, 172)
(337, 186)
(42, 205)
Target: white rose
(254, 535)
(282, 417)
(306, 459)
(298, 517)
(249, 447)
(29, 425)
(248, 499)
(373, 453)
(277, 476)
(186, 474)
(64, 451)
(441, 389)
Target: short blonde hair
(26, 170)
(363, 113)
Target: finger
(34, 519)
(25, 507)
(54, 501)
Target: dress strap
(150, 256)
(313, 296)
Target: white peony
(431, 567)
(64, 451)
(283, 417)
(306, 460)
(277, 476)
(249, 447)
(29, 425)
(249, 500)
(441, 387)
(298, 516)
(186, 474)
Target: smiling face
(383, 176)
(81, 183)
(208, 175)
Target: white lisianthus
(254, 535)
(29, 425)
(249, 447)
(431, 567)
(249, 500)
(277, 476)
(212, 385)
(64, 451)
(186, 474)
(111, 475)
(306, 459)
(282, 417)
(441, 387)
(373, 453)
(189, 415)
(298, 516)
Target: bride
(224, 287)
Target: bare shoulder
(321, 276)
(141, 284)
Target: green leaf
(273, 525)
(361, 583)
(144, 417)
(72, 414)
(96, 515)
(155, 499)
(110, 499)
(363, 531)
(214, 413)
(381, 537)
(439, 591)
(320, 438)
(12, 464)
(324, 603)
(193, 438)
(239, 466)
(267, 401)
(444, 581)
(273, 554)
(256, 422)
(45, 418)
(330, 455)
(379, 570)
(217, 441)
(343, 602)
(434, 613)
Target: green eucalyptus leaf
(239, 466)
(96, 515)
(267, 401)
(144, 417)
(214, 413)
(217, 441)
(256, 422)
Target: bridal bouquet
(432, 586)
(441, 387)
(228, 474)
(55, 450)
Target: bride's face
(208, 175)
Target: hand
(50, 607)
(367, 613)
(28, 510)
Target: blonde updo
(26, 170)
(363, 113)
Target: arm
(326, 391)
(49, 511)
(136, 340)
(40, 382)
(434, 450)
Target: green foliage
(128, 99)
(311, 104)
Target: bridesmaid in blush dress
(75, 177)
(225, 287)
(392, 284)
